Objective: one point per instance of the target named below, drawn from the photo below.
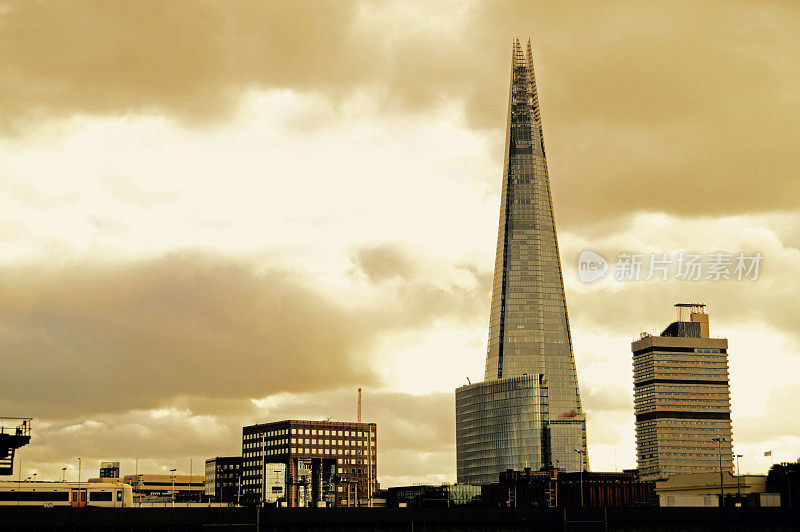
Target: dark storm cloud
(94, 338)
(406, 422)
(676, 106)
(420, 291)
(384, 261)
(407, 425)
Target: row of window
(249, 464)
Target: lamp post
(173, 486)
(555, 473)
(738, 476)
(721, 482)
(278, 483)
(34, 476)
(79, 472)
(63, 474)
(581, 453)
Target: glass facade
(429, 496)
(500, 424)
(528, 326)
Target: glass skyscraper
(528, 328)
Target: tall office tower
(682, 398)
(527, 412)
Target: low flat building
(182, 487)
(555, 488)
(298, 463)
(699, 488)
(709, 484)
(430, 496)
(222, 478)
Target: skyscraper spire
(528, 326)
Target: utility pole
(173, 486)
(721, 481)
(581, 453)
(358, 414)
(738, 476)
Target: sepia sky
(220, 212)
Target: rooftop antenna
(359, 405)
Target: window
(54, 496)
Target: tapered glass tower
(528, 328)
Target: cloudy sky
(220, 213)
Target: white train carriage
(74, 494)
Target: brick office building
(309, 463)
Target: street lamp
(738, 476)
(34, 476)
(79, 471)
(173, 486)
(63, 474)
(581, 453)
(721, 484)
(278, 483)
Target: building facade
(109, 470)
(149, 487)
(299, 463)
(430, 496)
(499, 424)
(682, 399)
(528, 326)
(554, 488)
(222, 478)
(709, 484)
